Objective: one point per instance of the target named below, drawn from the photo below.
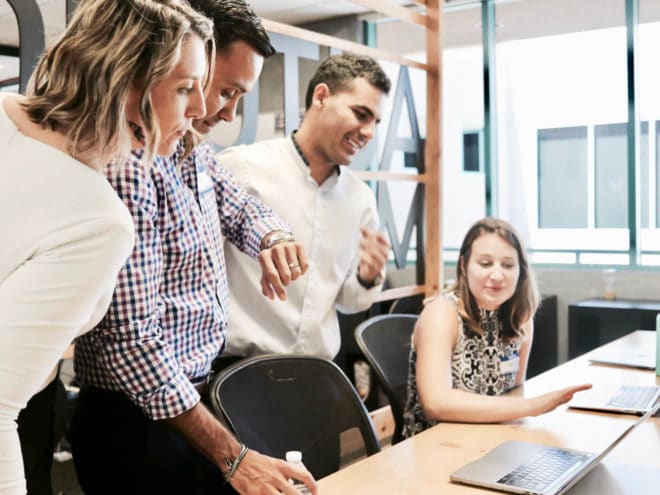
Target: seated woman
(472, 344)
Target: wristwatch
(276, 237)
(368, 285)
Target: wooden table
(422, 464)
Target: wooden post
(433, 152)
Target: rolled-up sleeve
(129, 342)
(245, 219)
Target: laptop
(525, 467)
(627, 399)
(631, 358)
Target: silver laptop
(628, 399)
(524, 467)
(644, 358)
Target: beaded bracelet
(232, 466)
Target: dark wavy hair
(520, 307)
(234, 20)
(339, 71)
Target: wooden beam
(399, 292)
(349, 46)
(433, 151)
(393, 10)
(385, 176)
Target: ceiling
(287, 11)
(301, 11)
(461, 20)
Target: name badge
(204, 182)
(509, 364)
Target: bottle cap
(293, 456)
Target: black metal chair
(385, 342)
(276, 403)
(410, 305)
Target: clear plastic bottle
(295, 457)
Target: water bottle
(295, 457)
(657, 345)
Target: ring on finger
(294, 265)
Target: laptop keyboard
(630, 397)
(542, 470)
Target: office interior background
(566, 146)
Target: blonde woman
(472, 344)
(120, 64)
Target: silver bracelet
(232, 466)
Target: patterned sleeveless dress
(475, 366)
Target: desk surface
(422, 464)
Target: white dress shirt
(326, 219)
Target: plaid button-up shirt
(166, 322)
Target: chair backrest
(276, 403)
(412, 305)
(385, 342)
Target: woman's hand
(547, 402)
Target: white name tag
(204, 182)
(509, 365)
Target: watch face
(279, 237)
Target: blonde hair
(524, 302)
(80, 85)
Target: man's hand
(374, 250)
(281, 264)
(258, 474)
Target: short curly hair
(339, 71)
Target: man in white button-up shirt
(330, 211)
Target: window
(472, 152)
(563, 177)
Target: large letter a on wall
(413, 149)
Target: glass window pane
(644, 174)
(560, 65)
(563, 178)
(471, 152)
(649, 109)
(611, 175)
(657, 173)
